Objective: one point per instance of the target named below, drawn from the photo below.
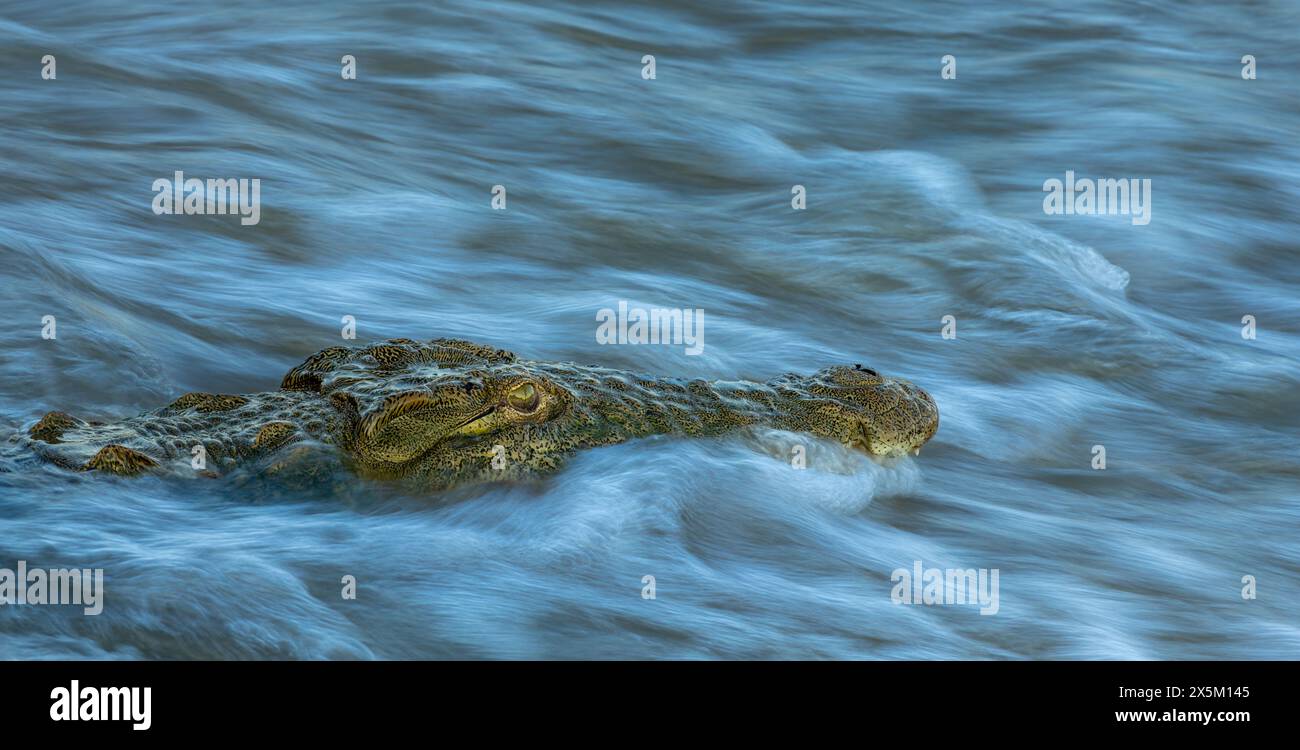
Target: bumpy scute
(52, 426)
(118, 459)
(273, 435)
(208, 402)
(388, 356)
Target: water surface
(924, 201)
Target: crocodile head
(450, 408)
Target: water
(924, 200)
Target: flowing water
(924, 200)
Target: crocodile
(447, 412)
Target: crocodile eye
(523, 398)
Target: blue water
(924, 200)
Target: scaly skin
(449, 412)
